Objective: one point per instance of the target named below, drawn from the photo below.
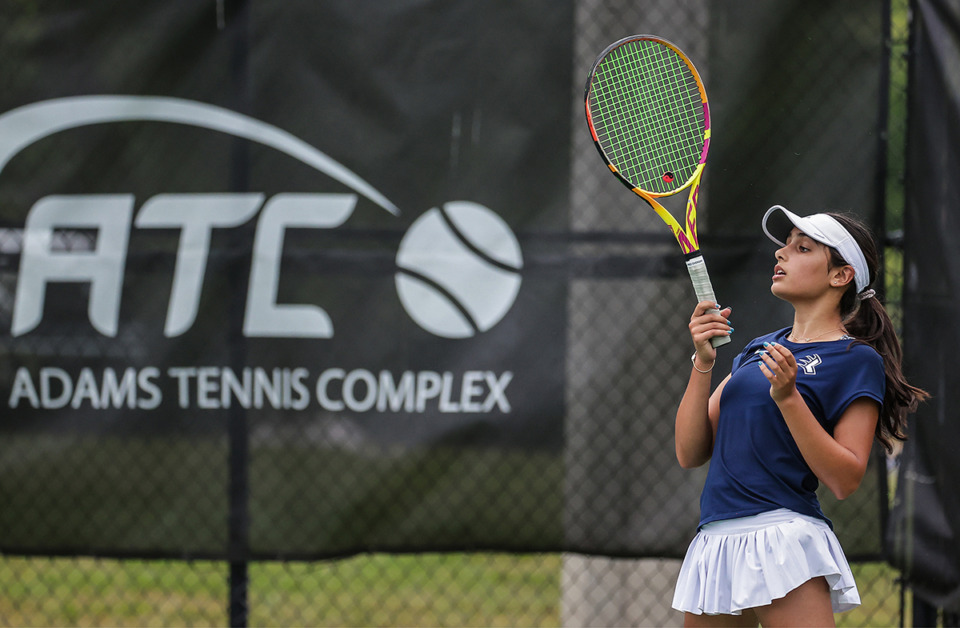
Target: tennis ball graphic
(458, 269)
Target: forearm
(838, 467)
(693, 432)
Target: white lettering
(86, 389)
(208, 387)
(58, 388)
(47, 375)
(213, 387)
(102, 267)
(323, 382)
(471, 389)
(396, 396)
(266, 386)
(264, 317)
(302, 395)
(23, 387)
(360, 390)
(145, 380)
(116, 393)
(196, 215)
(182, 375)
(446, 405)
(429, 385)
(498, 387)
(232, 387)
(350, 392)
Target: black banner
(280, 261)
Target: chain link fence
(627, 303)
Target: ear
(842, 276)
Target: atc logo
(458, 265)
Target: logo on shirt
(809, 363)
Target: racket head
(648, 114)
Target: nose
(780, 254)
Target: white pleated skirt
(745, 563)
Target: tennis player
(800, 406)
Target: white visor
(825, 230)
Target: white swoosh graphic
(25, 125)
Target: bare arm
(839, 461)
(696, 422)
(696, 425)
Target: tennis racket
(647, 111)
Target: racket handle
(704, 289)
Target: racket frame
(686, 234)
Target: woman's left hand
(780, 368)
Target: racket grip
(704, 289)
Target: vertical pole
(238, 523)
(924, 613)
(879, 217)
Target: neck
(817, 323)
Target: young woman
(801, 406)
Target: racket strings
(650, 88)
(649, 115)
(643, 98)
(671, 98)
(665, 130)
(658, 99)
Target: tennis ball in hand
(458, 269)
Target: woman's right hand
(707, 323)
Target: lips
(778, 271)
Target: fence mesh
(623, 314)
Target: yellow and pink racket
(647, 111)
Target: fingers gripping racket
(648, 114)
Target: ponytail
(867, 321)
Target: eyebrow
(799, 234)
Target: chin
(777, 291)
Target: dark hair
(868, 322)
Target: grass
(879, 590)
(92, 592)
(373, 590)
(421, 590)
(367, 590)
